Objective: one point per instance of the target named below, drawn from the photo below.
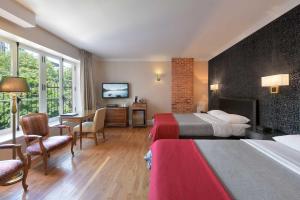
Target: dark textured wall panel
(274, 49)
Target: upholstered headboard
(244, 107)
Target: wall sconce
(274, 82)
(157, 76)
(214, 87)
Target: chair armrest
(10, 146)
(32, 137)
(61, 126)
(39, 138)
(17, 147)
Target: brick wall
(182, 85)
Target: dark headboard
(244, 107)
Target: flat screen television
(115, 90)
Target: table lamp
(13, 85)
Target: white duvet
(283, 154)
(222, 128)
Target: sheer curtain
(86, 81)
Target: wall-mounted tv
(115, 90)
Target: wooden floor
(112, 170)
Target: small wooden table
(139, 114)
(79, 119)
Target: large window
(53, 86)
(68, 75)
(5, 70)
(29, 63)
(51, 80)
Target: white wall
(201, 84)
(141, 77)
(142, 81)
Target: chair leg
(45, 160)
(103, 133)
(80, 141)
(75, 138)
(29, 161)
(72, 145)
(25, 172)
(96, 139)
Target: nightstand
(261, 135)
(139, 114)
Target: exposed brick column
(182, 85)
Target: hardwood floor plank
(114, 169)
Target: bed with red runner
(221, 169)
(188, 175)
(165, 127)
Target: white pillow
(215, 113)
(236, 119)
(240, 126)
(292, 141)
(239, 129)
(229, 118)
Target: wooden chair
(9, 168)
(95, 127)
(36, 132)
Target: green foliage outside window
(29, 64)
(5, 62)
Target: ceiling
(156, 29)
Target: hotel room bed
(204, 125)
(224, 169)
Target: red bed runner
(165, 127)
(180, 172)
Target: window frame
(14, 48)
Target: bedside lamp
(14, 85)
(214, 87)
(275, 81)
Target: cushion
(87, 127)
(234, 119)
(8, 168)
(229, 118)
(292, 141)
(215, 113)
(50, 144)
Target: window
(51, 80)
(53, 86)
(29, 63)
(68, 75)
(5, 70)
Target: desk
(79, 119)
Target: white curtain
(86, 81)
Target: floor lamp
(14, 85)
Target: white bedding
(281, 153)
(222, 128)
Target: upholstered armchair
(36, 132)
(94, 127)
(9, 168)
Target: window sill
(6, 135)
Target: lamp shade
(13, 84)
(214, 87)
(275, 80)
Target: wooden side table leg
(60, 121)
(80, 132)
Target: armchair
(36, 132)
(9, 168)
